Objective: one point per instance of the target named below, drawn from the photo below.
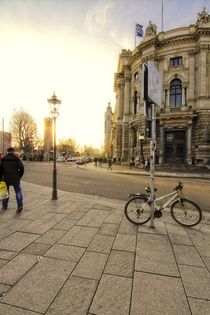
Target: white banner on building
(154, 84)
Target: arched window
(176, 93)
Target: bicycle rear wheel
(137, 210)
(186, 212)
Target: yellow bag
(3, 191)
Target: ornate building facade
(182, 57)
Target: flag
(139, 30)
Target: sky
(72, 47)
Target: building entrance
(175, 146)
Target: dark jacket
(11, 169)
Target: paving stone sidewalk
(79, 255)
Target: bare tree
(24, 131)
(69, 145)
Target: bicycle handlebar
(179, 186)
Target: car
(60, 159)
(71, 159)
(80, 161)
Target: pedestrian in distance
(109, 162)
(95, 162)
(147, 165)
(132, 162)
(11, 171)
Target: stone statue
(151, 29)
(203, 16)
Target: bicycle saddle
(148, 190)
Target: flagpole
(162, 16)
(135, 36)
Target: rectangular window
(177, 61)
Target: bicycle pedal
(157, 213)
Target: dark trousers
(18, 194)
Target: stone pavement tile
(178, 235)
(33, 214)
(16, 268)
(207, 262)
(91, 265)
(201, 240)
(120, 263)
(127, 227)
(36, 249)
(66, 252)
(196, 281)
(77, 214)
(38, 288)
(112, 296)
(78, 236)
(4, 288)
(63, 208)
(74, 298)
(11, 310)
(7, 254)
(199, 307)
(125, 242)
(101, 243)
(160, 228)
(154, 294)
(94, 218)
(4, 233)
(50, 237)
(42, 225)
(65, 224)
(187, 255)
(2, 262)
(100, 206)
(154, 254)
(14, 223)
(108, 229)
(114, 218)
(17, 241)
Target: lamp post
(54, 106)
(141, 140)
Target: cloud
(97, 17)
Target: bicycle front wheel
(137, 210)
(186, 212)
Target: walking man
(109, 163)
(11, 171)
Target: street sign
(154, 84)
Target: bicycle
(184, 211)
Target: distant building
(182, 57)
(48, 137)
(108, 131)
(5, 141)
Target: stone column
(121, 98)
(189, 145)
(202, 65)
(191, 89)
(125, 128)
(118, 142)
(127, 94)
(125, 144)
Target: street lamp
(141, 140)
(54, 106)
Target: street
(101, 182)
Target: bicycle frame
(175, 195)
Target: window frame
(175, 62)
(175, 94)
